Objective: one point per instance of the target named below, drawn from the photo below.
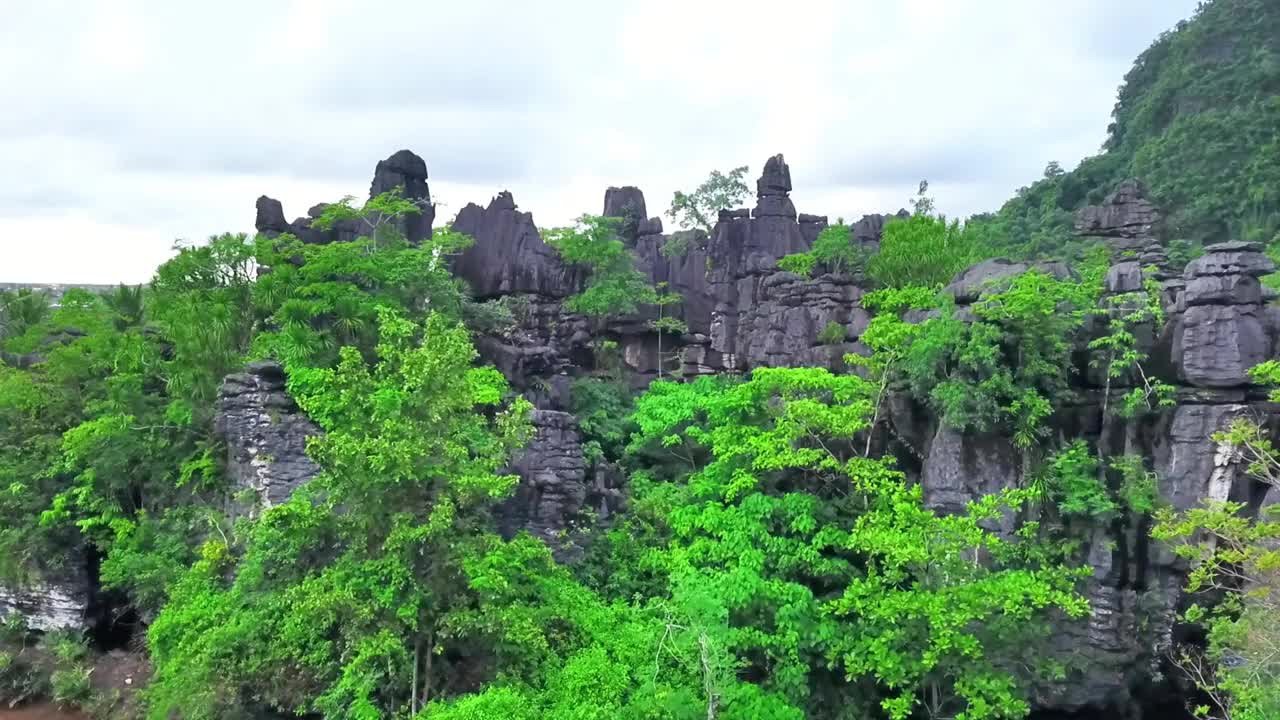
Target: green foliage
(832, 334)
(1138, 488)
(698, 210)
(833, 251)
(1003, 370)
(1120, 356)
(822, 558)
(924, 250)
(1072, 481)
(1235, 563)
(21, 680)
(21, 310)
(378, 218)
(71, 687)
(801, 264)
(1196, 121)
(1233, 559)
(603, 409)
(333, 296)
(614, 286)
(336, 586)
(679, 243)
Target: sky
(129, 125)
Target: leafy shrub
(1008, 366)
(20, 680)
(833, 251)
(801, 264)
(614, 286)
(603, 409)
(1138, 489)
(832, 334)
(924, 250)
(67, 646)
(1072, 481)
(71, 687)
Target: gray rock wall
(742, 313)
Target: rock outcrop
(58, 602)
(560, 493)
(265, 432)
(1221, 328)
(403, 169)
(1126, 219)
(509, 256)
(742, 313)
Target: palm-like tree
(22, 309)
(127, 302)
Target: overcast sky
(127, 125)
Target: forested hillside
(1197, 120)
(366, 464)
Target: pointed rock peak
(503, 201)
(776, 178)
(405, 169)
(617, 200)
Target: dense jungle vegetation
(1197, 120)
(769, 565)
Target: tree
(1053, 169)
(833, 250)
(379, 217)
(821, 558)
(697, 210)
(338, 600)
(922, 204)
(924, 250)
(22, 310)
(665, 323)
(614, 286)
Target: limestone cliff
(742, 312)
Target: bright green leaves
(614, 286)
(1071, 480)
(349, 584)
(410, 422)
(1117, 350)
(333, 296)
(801, 264)
(924, 250)
(1005, 368)
(824, 558)
(833, 251)
(21, 310)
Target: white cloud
(132, 123)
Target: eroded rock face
(742, 313)
(509, 256)
(553, 479)
(265, 432)
(403, 169)
(409, 173)
(1221, 327)
(1126, 219)
(57, 603)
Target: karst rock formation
(742, 312)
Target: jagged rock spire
(772, 190)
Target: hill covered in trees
(1197, 120)
(363, 464)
